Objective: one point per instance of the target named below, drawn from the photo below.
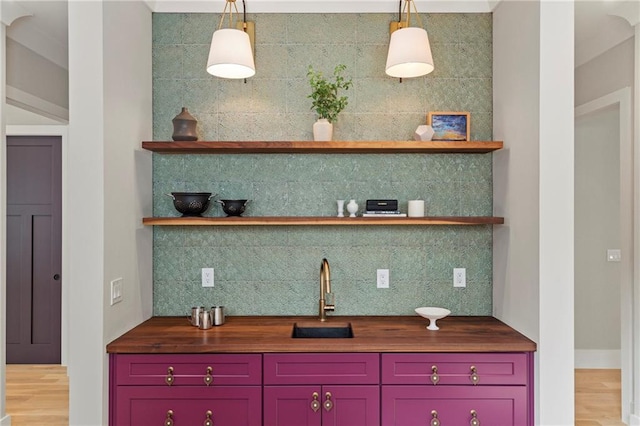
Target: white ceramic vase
(352, 208)
(340, 208)
(322, 130)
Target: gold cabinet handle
(208, 378)
(328, 404)
(168, 421)
(169, 379)
(315, 404)
(208, 421)
(474, 375)
(434, 418)
(474, 418)
(434, 375)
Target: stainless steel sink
(324, 331)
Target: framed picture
(449, 126)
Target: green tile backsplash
(274, 270)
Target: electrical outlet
(459, 277)
(116, 291)
(383, 278)
(207, 277)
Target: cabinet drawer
(189, 370)
(455, 369)
(153, 405)
(320, 369)
(454, 405)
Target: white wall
(606, 73)
(515, 167)
(3, 226)
(127, 170)
(533, 189)
(36, 75)
(86, 195)
(597, 228)
(128, 180)
(109, 114)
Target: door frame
(62, 132)
(629, 209)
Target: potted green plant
(325, 100)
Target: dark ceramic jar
(184, 126)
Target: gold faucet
(325, 288)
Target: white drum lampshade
(230, 55)
(409, 53)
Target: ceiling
(45, 31)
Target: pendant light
(409, 50)
(231, 51)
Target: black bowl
(233, 207)
(191, 203)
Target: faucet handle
(330, 302)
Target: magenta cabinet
(455, 369)
(185, 389)
(189, 369)
(330, 405)
(448, 405)
(155, 406)
(322, 389)
(457, 389)
(320, 369)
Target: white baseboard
(635, 420)
(588, 358)
(6, 421)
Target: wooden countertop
(261, 334)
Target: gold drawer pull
(168, 421)
(315, 404)
(328, 404)
(209, 421)
(434, 418)
(474, 375)
(474, 419)
(434, 376)
(169, 380)
(208, 379)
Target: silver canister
(205, 320)
(194, 319)
(217, 314)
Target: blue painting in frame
(449, 125)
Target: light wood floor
(598, 398)
(39, 394)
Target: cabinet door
(334, 405)
(350, 405)
(153, 406)
(292, 406)
(421, 405)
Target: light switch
(116, 291)
(614, 255)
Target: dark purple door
(34, 245)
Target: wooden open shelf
(312, 147)
(322, 221)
